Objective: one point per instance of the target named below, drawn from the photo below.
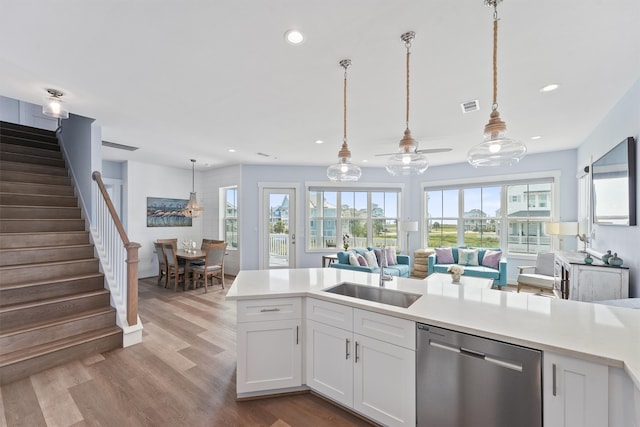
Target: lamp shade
(54, 106)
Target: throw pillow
(391, 255)
(444, 256)
(353, 259)
(361, 260)
(370, 256)
(378, 253)
(492, 258)
(467, 256)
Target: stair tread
(48, 281)
(41, 302)
(50, 347)
(58, 321)
(36, 195)
(39, 248)
(71, 261)
(33, 173)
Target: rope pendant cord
(408, 57)
(495, 60)
(344, 137)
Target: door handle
(357, 352)
(267, 310)
(554, 379)
(347, 348)
(297, 334)
(293, 239)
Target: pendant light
(344, 170)
(497, 149)
(193, 209)
(408, 161)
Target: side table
(327, 260)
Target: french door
(278, 228)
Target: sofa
(401, 269)
(474, 262)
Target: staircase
(53, 305)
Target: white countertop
(596, 332)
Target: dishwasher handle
(477, 355)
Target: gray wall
(622, 121)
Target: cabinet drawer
(269, 309)
(329, 313)
(390, 329)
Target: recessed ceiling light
(549, 88)
(294, 37)
(365, 161)
(536, 137)
(319, 141)
(232, 150)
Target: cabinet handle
(553, 379)
(347, 348)
(266, 310)
(297, 334)
(357, 352)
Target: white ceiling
(193, 79)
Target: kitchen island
(603, 335)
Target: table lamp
(408, 226)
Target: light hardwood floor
(182, 374)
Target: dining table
(188, 257)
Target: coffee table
(466, 281)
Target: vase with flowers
(345, 241)
(456, 271)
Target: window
(509, 216)
(368, 217)
(230, 216)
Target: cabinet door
(575, 392)
(384, 382)
(599, 283)
(330, 361)
(269, 355)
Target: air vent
(118, 146)
(470, 106)
(263, 155)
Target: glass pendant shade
(496, 150)
(193, 209)
(407, 163)
(54, 106)
(344, 170)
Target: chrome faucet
(383, 264)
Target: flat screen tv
(613, 178)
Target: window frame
(224, 217)
(340, 188)
(552, 177)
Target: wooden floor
(182, 374)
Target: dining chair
(207, 242)
(213, 265)
(174, 242)
(175, 270)
(162, 264)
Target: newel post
(132, 282)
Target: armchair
(543, 276)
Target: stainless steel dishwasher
(464, 380)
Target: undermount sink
(375, 294)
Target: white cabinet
(269, 344)
(575, 392)
(362, 360)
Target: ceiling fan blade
(434, 150)
(424, 151)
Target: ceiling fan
(408, 150)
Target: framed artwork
(162, 212)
